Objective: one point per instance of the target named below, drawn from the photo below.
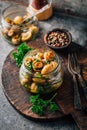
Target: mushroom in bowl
(58, 38)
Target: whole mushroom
(18, 20)
(5, 31)
(16, 39)
(26, 36)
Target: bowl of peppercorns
(58, 38)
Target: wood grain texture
(19, 96)
(80, 118)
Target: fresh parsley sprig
(39, 105)
(20, 53)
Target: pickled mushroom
(16, 29)
(34, 29)
(28, 60)
(10, 32)
(37, 65)
(24, 81)
(38, 80)
(5, 30)
(34, 88)
(18, 20)
(40, 55)
(8, 20)
(49, 55)
(16, 39)
(26, 36)
(54, 64)
(47, 69)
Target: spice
(58, 39)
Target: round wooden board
(19, 96)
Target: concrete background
(76, 7)
(10, 119)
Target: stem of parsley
(52, 97)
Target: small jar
(38, 4)
(13, 29)
(47, 77)
(42, 9)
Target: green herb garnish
(39, 105)
(53, 107)
(37, 60)
(38, 75)
(29, 67)
(47, 62)
(19, 55)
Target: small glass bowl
(13, 32)
(35, 81)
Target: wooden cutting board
(19, 96)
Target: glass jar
(13, 27)
(38, 4)
(47, 77)
(42, 9)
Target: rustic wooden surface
(19, 97)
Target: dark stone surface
(10, 119)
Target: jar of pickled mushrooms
(41, 72)
(15, 27)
